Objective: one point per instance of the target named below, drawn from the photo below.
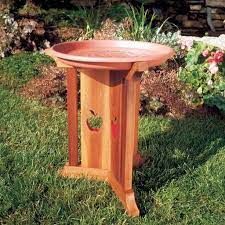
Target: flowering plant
(22, 34)
(204, 73)
(8, 33)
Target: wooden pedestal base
(108, 153)
(127, 198)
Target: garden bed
(181, 134)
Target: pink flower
(210, 60)
(205, 53)
(218, 57)
(213, 68)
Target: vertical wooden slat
(137, 79)
(95, 145)
(129, 132)
(72, 115)
(116, 78)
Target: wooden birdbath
(110, 74)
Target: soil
(107, 32)
(69, 33)
(49, 88)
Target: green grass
(18, 69)
(183, 182)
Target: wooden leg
(72, 115)
(129, 139)
(124, 112)
(127, 198)
(138, 160)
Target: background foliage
(208, 85)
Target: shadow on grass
(172, 150)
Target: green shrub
(204, 73)
(88, 19)
(59, 17)
(17, 69)
(117, 12)
(9, 33)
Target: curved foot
(127, 198)
(130, 204)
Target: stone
(171, 2)
(181, 18)
(202, 21)
(203, 10)
(190, 31)
(195, 1)
(171, 10)
(192, 24)
(196, 7)
(83, 2)
(216, 3)
(218, 23)
(193, 16)
(218, 11)
(218, 16)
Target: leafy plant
(23, 35)
(60, 17)
(143, 27)
(117, 12)
(169, 38)
(140, 29)
(8, 31)
(90, 19)
(204, 73)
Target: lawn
(182, 182)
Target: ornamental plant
(143, 26)
(20, 35)
(8, 32)
(204, 73)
